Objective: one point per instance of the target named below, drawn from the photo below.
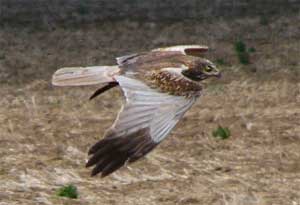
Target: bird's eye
(208, 68)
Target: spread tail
(77, 76)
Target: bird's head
(201, 69)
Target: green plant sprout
(69, 191)
(221, 133)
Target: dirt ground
(45, 132)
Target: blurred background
(46, 131)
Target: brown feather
(112, 152)
(175, 85)
(196, 51)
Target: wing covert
(194, 50)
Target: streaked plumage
(159, 86)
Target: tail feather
(77, 76)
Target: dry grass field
(45, 132)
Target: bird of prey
(159, 87)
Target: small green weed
(69, 191)
(240, 46)
(242, 52)
(221, 133)
(251, 50)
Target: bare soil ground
(45, 132)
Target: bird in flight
(159, 87)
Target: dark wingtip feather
(98, 145)
(111, 153)
(112, 167)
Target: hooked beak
(217, 72)
(219, 75)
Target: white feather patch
(77, 76)
(147, 108)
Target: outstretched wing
(143, 122)
(160, 53)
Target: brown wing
(159, 54)
(144, 121)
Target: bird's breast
(173, 83)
